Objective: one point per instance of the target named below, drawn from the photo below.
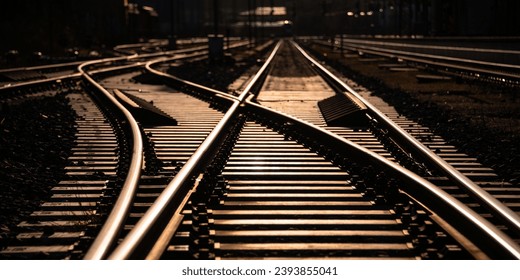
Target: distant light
(273, 11)
(350, 14)
(391, 7)
(286, 22)
(369, 13)
(381, 10)
(151, 11)
(362, 14)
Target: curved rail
(110, 230)
(509, 217)
(170, 200)
(74, 64)
(151, 44)
(115, 221)
(202, 49)
(109, 233)
(11, 87)
(483, 233)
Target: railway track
(97, 165)
(250, 192)
(300, 100)
(60, 223)
(497, 66)
(244, 180)
(135, 52)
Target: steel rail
(432, 47)
(110, 230)
(77, 75)
(78, 63)
(43, 67)
(421, 58)
(64, 77)
(64, 65)
(262, 71)
(109, 233)
(165, 209)
(122, 48)
(480, 231)
(477, 227)
(407, 54)
(164, 42)
(234, 45)
(170, 198)
(506, 215)
(105, 60)
(143, 64)
(10, 87)
(113, 225)
(187, 53)
(206, 90)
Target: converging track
(294, 164)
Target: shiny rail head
(483, 227)
(111, 229)
(482, 232)
(138, 240)
(509, 217)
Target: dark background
(55, 26)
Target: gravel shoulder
(36, 136)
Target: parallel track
(251, 185)
(67, 222)
(245, 181)
(499, 66)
